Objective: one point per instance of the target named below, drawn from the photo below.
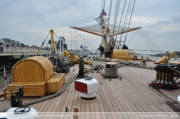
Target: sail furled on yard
(97, 29)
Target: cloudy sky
(29, 21)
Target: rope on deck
(121, 63)
(49, 96)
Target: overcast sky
(29, 21)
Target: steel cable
(116, 14)
(127, 13)
(151, 40)
(147, 43)
(109, 13)
(132, 37)
(130, 19)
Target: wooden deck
(130, 94)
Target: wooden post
(4, 90)
(76, 109)
(75, 116)
(52, 40)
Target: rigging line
(84, 39)
(122, 14)
(101, 7)
(116, 14)
(130, 20)
(133, 51)
(145, 38)
(100, 44)
(147, 43)
(121, 17)
(76, 40)
(43, 43)
(104, 4)
(48, 48)
(46, 37)
(65, 48)
(109, 13)
(127, 13)
(126, 18)
(115, 42)
(71, 37)
(132, 37)
(151, 40)
(83, 22)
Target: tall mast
(105, 33)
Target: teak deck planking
(130, 94)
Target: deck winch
(17, 111)
(15, 94)
(87, 86)
(110, 71)
(165, 77)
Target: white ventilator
(87, 88)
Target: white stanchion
(5, 78)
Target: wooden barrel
(34, 69)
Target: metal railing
(11, 49)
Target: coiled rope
(49, 96)
(121, 63)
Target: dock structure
(130, 94)
(11, 51)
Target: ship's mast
(105, 34)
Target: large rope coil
(49, 96)
(121, 63)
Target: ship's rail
(11, 50)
